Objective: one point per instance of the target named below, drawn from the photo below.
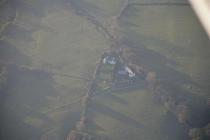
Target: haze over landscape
(103, 70)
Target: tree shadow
(173, 81)
(88, 7)
(154, 61)
(25, 96)
(172, 129)
(69, 123)
(37, 8)
(103, 109)
(17, 32)
(112, 97)
(7, 11)
(29, 8)
(130, 11)
(33, 86)
(199, 111)
(92, 127)
(9, 53)
(12, 127)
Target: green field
(52, 37)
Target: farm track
(105, 31)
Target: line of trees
(179, 108)
(200, 133)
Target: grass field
(53, 37)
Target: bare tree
(3, 76)
(207, 130)
(151, 80)
(196, 134)
(182, 113)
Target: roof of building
(110, 60)
(130, 72)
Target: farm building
(115, 73)
(110, 60)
